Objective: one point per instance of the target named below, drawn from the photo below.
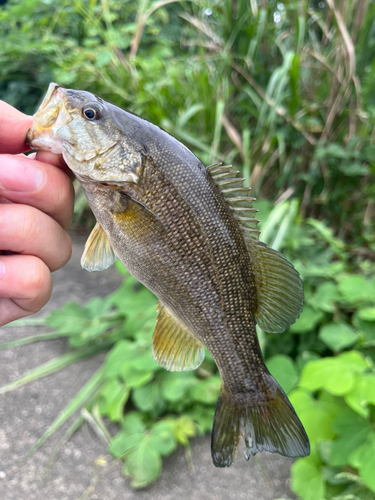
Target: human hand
(36, 207)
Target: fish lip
(50, 116)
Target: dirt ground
(77, 474)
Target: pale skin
(36, 207)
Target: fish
(188, 233)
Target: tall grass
(280, 89)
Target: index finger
(13, 129)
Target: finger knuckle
(29, 227)
(38, 283)
(64, 253)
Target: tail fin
(271, 425)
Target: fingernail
(20, 174)
(2, 270)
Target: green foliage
(342, 436)
(333, 395)
(272, 88)
(156, 409)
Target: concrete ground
(77, 474)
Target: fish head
(90, 135)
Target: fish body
(187, 233)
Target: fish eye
(91, 112)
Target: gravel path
(77, 474)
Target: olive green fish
(188, 234)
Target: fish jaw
(50, 117)
(94, 150)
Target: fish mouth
(51, 115)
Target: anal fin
(173, 346)
(98, 253)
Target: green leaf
(88, 334)
(123, 442)
(162, 437)
(348, 422)
(114, 396)
(367, 314)
(148, 397)
(132, 361)
(307, 320)
(176, 385)
(135, 378)
(333, 149)
(343, 447)
(203, 417)
(184, 428)
(103, 58)
(143, 464)
(316, 416)
(133, 423)
(367, 327)
(329, 374)
(352, 430)
(307, 481)
(97, 307)
(355, 288)
(325, 297)
(70, 319)
(305, 357)
(336, 375)
(362, 394)
(206, 391)
(354, 169)
(337, 336)
(284, 370)
(363, 458)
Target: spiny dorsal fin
(98, 253)
(279, 288)
(237, 197)
(173, 346)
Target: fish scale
(189, 235)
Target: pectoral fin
(173, 346)
(98, 253)
(135, 218)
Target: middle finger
(27, 230)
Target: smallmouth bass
(188, 234)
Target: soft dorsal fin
(279, 288)
(237, 197)
(98, 253)
(173, 346)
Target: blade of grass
(101, 432)
(246, 141)
(27, 322)
(52, 366)
(220, 105)
(273, 220)
(33, 338)
(287, 221)
(83, 395)
(68, 434)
